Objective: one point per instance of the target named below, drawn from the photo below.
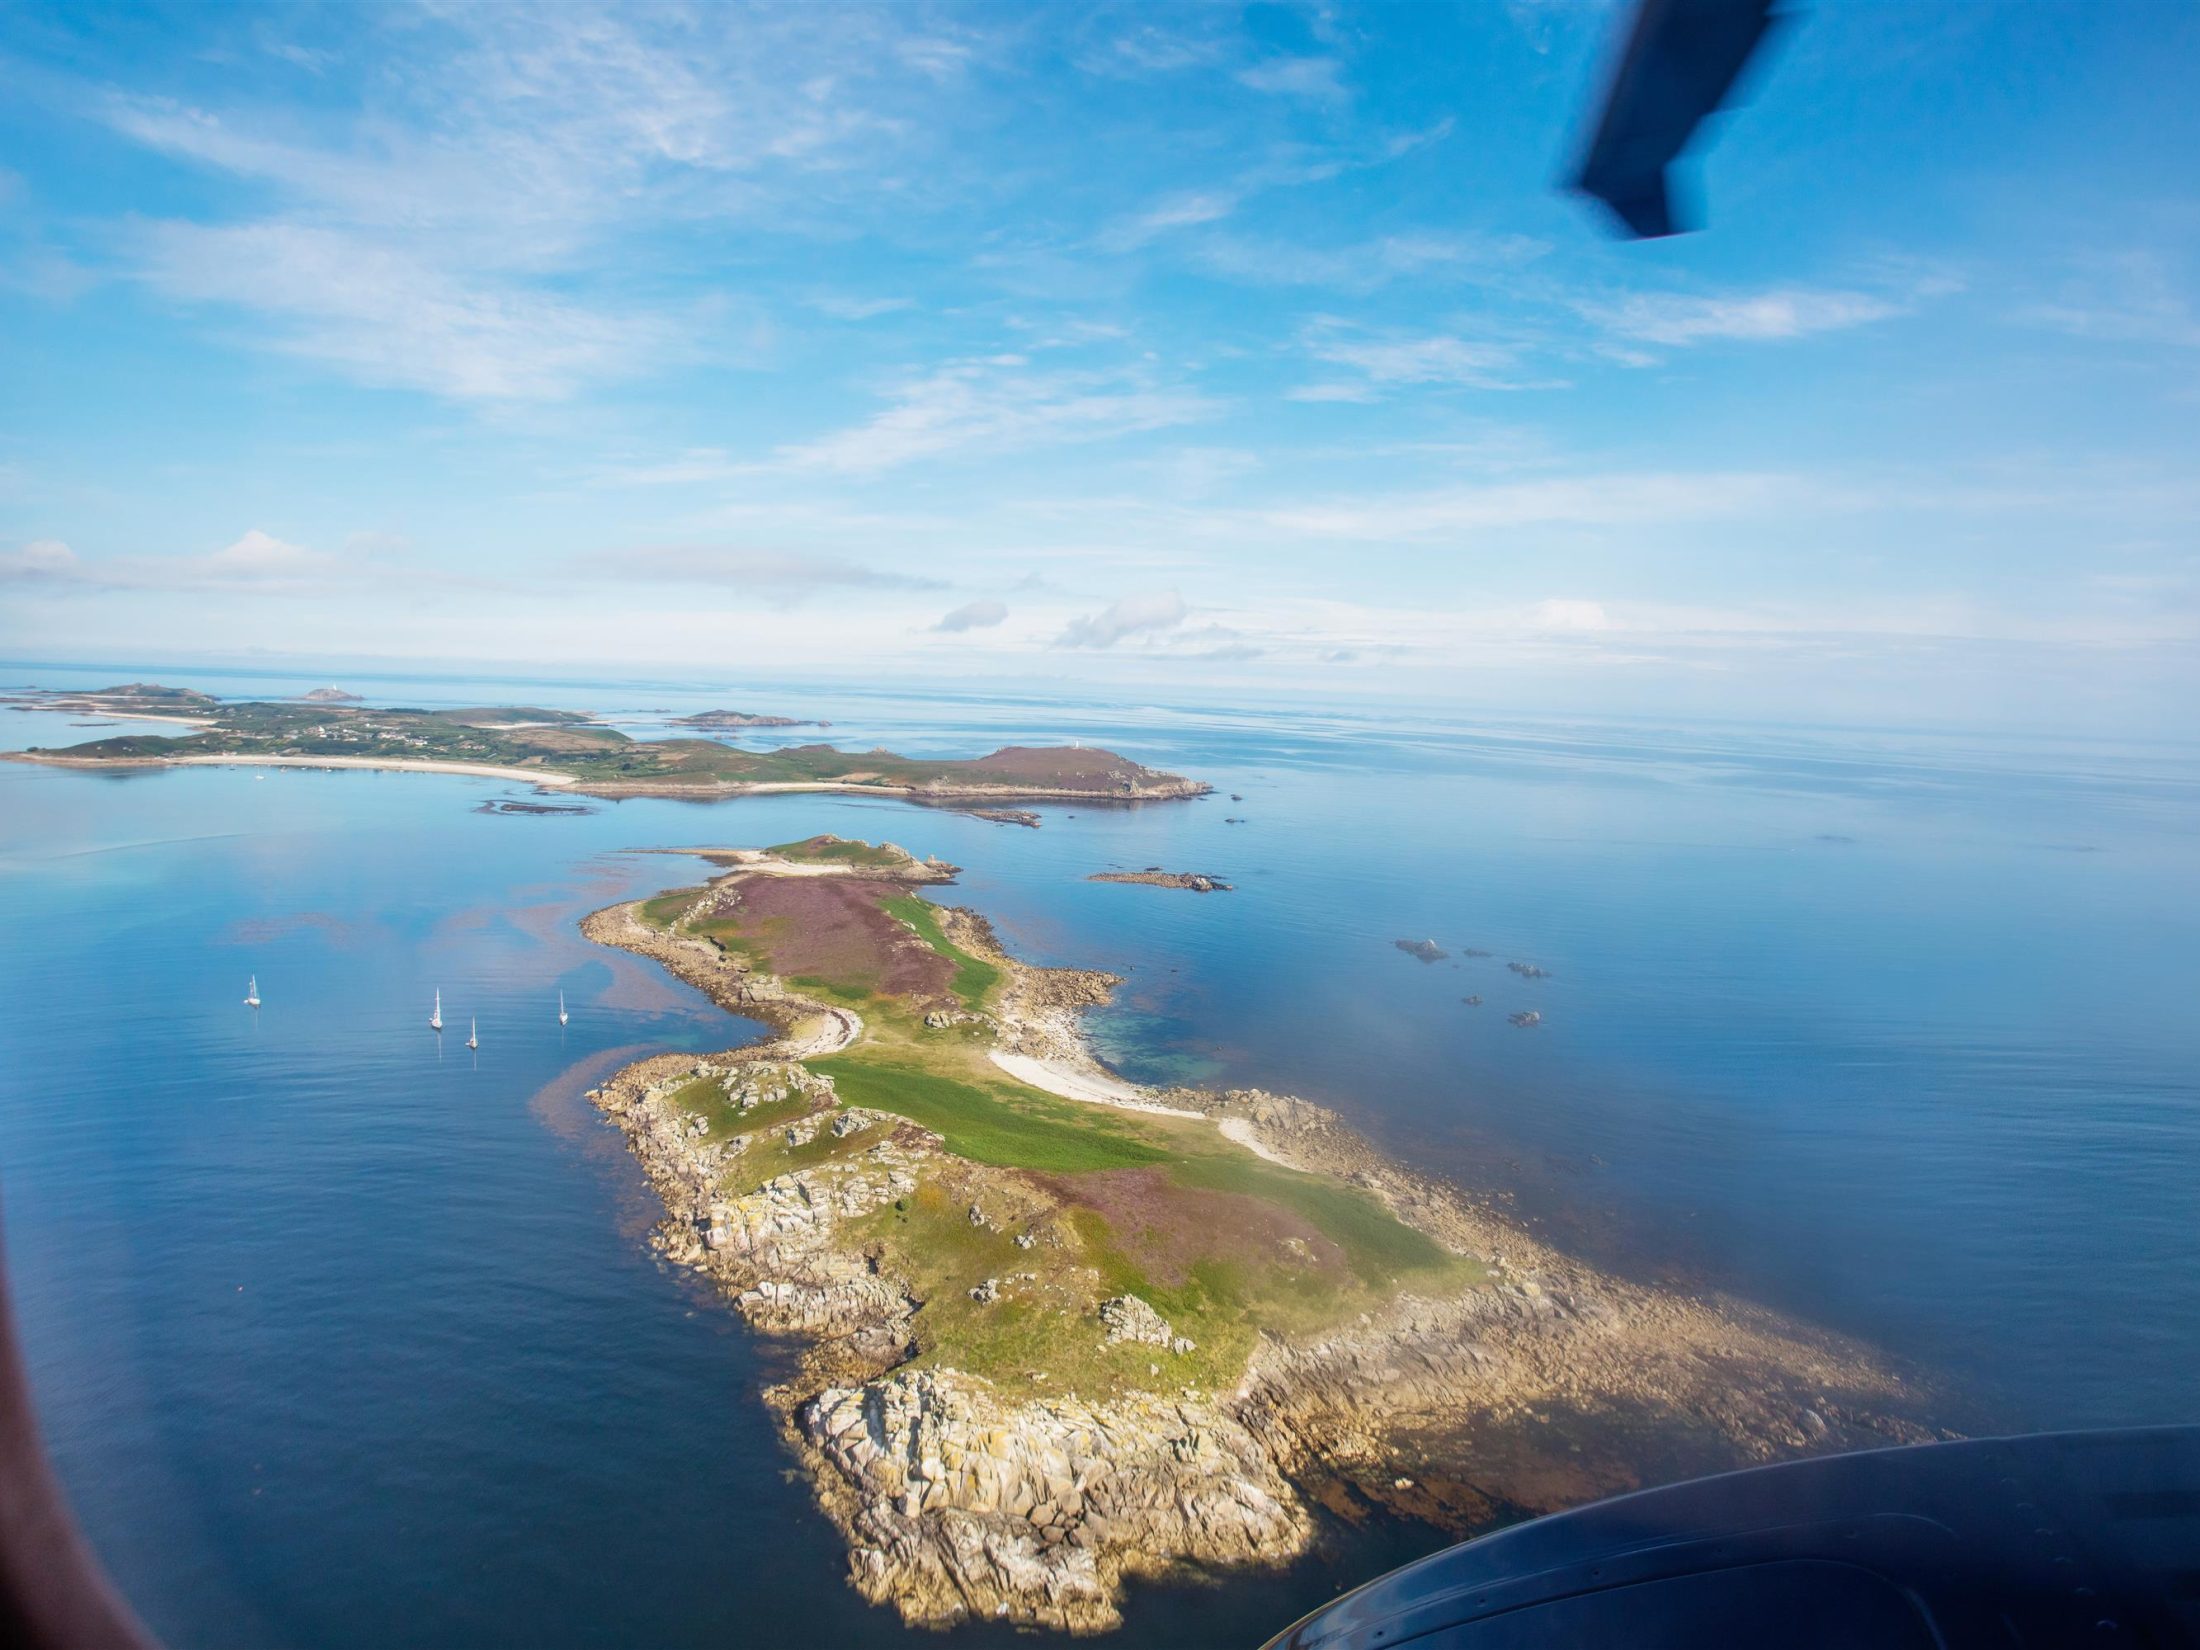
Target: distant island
(566, 749)
(1053, 1331)
(330, 696)
(1153, 876)
(135, 701)
(743, 719)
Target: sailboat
(562, 1015)
(473, 1034)
(435, 1020)
(252, 993)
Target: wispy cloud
(780, 573)
(1320, 79)
(1181, 211)
(994, 404)
(1678, 320)
(1358, 266)
(2133, 297)
(1411, 359)
(385, 316)
(456, 236)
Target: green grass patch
(666, 909)
(1380, 1248)
(1002, 1124)
(975, 978)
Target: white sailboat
(435, 1020)
(562, 1015)
(473, 1034)
(252, 993)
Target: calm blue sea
(343, 1336)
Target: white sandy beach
(480, 770)
(1081, 1083)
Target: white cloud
(256, 561)
(842, 308)
(1316, 78)
(1331, 392)
(978, 615)
(992, 405)
(1680, 319)
(1583, 501)
(1141, 615)
(40, 561)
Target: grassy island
(1055, 1329)
(567, 749)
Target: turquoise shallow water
(344, 1339)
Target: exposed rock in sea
(1472, 1002)
(1153, 876)
(1529, 971)
(1427, 950)
(1526, 1017)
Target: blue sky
(1194, 351)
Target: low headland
(1048, 1330)
(567, 750)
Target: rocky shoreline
(1546, 1384)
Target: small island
(330, 696)
(1050, 1330)
(568, 750)
(713, 719)
(1427, 951)
(1153, 876)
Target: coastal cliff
(1005, 1418)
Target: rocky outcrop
(962, 1503)
(1153, 876)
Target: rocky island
(564, 749)
(709, 719)
(1047, 1330)
(1153, 876)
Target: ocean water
(342, 1335)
